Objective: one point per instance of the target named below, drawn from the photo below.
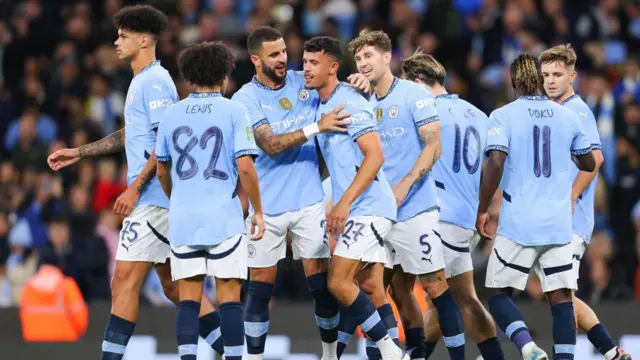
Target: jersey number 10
(463, 156)
(546, 151)
(210, 171)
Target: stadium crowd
(62, 85)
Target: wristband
(311, 130)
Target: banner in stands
(293, 335)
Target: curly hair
(378, 39)
(206, 64)
(141, 19)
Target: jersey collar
(257, 83)
(204, 95)
(333, 92)
(393, 86)
(151, 64)
(534, 97)
(570, 98)
(447, 96)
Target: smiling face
(558, 78)
(318, 68)
(371, 62)
(272, 60)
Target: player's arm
(430, 135)
(161, 162)
(163, 172)
(371, 148)
(491, 177)
(249, 180)
(581, 147)
(585, 178)
(108, 145)
(274, 144)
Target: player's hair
(562, 53)
(378, 39)
(424, 67)
(261, 35)
(329, 45)
(525, 76)
(141, 19)
(206, 64)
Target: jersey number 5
(185, 156)
(463, 156)
(546, 151)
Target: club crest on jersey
(393, 112)
(130, 99)
(285, 103)
(379, 114)
(303, 95)
(251, 250)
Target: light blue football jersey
(286, 109)
(151, 91)
(202, 136)
(343, 156)
(326, 189)
(539, 137)
(399, 114)
(583, 218)
(456, 174)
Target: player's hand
(257, 221)
(481, 225)
(125, 202)
(63, 158)
(400, 191)
(337, 219)
(333, 121)
(361, 82)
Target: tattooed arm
(430, 135)
(273, 144)
(107, 145)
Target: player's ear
(255, 59)
(333, 68)
(573, 77)
(387, 58)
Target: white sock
(527, 349)
(388, 349)
(256, 356)
(611, 353)
(330, 350)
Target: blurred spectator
(109, 230)
(107, 187)
(22, 261)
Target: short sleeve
(157, 98)
(497, 134)
(422, 105)
(580, 145)
(256, 116)
(162, 147)
(591, 128)
(361, 123)
(244, 143)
